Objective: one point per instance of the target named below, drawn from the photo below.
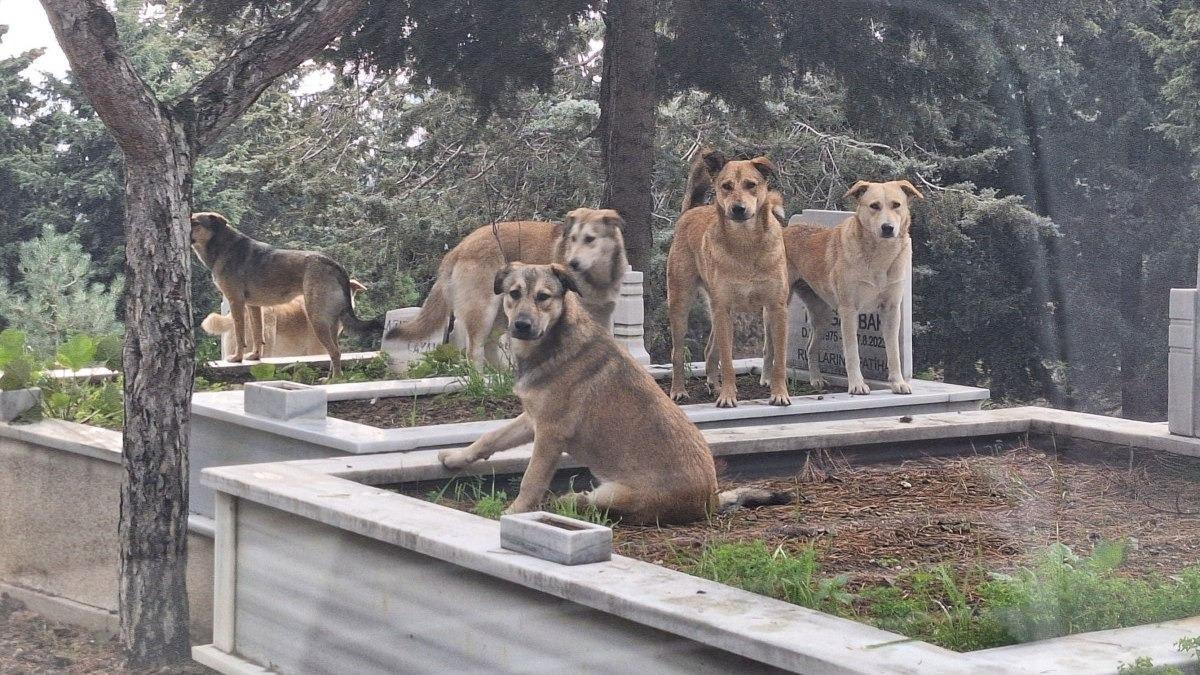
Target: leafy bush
(18, 369)
(444, 361)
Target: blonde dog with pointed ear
(859, 266)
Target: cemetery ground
(969, 552)
(32, 645)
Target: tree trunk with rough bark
(160, 143)
(628, 104)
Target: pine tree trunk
(627, 122)
(158, 364)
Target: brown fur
(286, 331)
(739, 265)
(252, 275)
(466, 273)
(584, 395)
(854, 268)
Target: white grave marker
(871, 351)
(1183, 406)
(403, 352)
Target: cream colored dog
(860, 265)
(286, 331)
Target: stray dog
(860, 265)
(253, 275)
(588, 241)
(285, 328)
(583, 394)
(731, 250)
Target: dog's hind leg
(477, 319)
(890, 315)
(609, 498)
(768, 358)
(820, 318)
(257, 344)
(517, 432)
(712, 365)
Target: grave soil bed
(409, 411)
(31, 644)
(892, 526)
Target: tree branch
(233, 86)
(87, 32)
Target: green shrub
(18, 368)
(444, 361)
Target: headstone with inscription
(871, 350)
(1183, 370)
(403, 352)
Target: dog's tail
(699, 182)
(217, 324)
(433, 315)
(750, 497)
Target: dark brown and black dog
(253, 275)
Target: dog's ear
(210, 220)
(614, 220)
(565, 278)
(356, 286)
(764, 165)
(912, 192)
(498, 282)
(569, 222)
(714, 160)
(857, 189)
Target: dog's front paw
(234, 358)
(900, 387)
(727, 399)
(253, 356)
(678, 394)
(780, 399)
(455, 460)
(518, 507)
(859, 388)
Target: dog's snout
(738, 211)
(522, 326)
(575, 264)
(888, 229)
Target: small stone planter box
(556, 538)
(403, 582)
(224, 433)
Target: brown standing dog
(583, 394)
(588, 241)
(253, 275)
(860, 265)
(732, 250)
(285, 329)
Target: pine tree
(56, 294)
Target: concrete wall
(315, 599)
(59, 506)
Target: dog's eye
(514, 294)
(895, 205)
(589, 239)
(750, 185)
(875, 205)
(542, 297)
(727, 186)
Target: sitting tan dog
(860, 265)
(584, 395)
(286, 331)
(732, 251)
(588, 241)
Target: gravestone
(871, 350)
(1183, 405)
(402, 352)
